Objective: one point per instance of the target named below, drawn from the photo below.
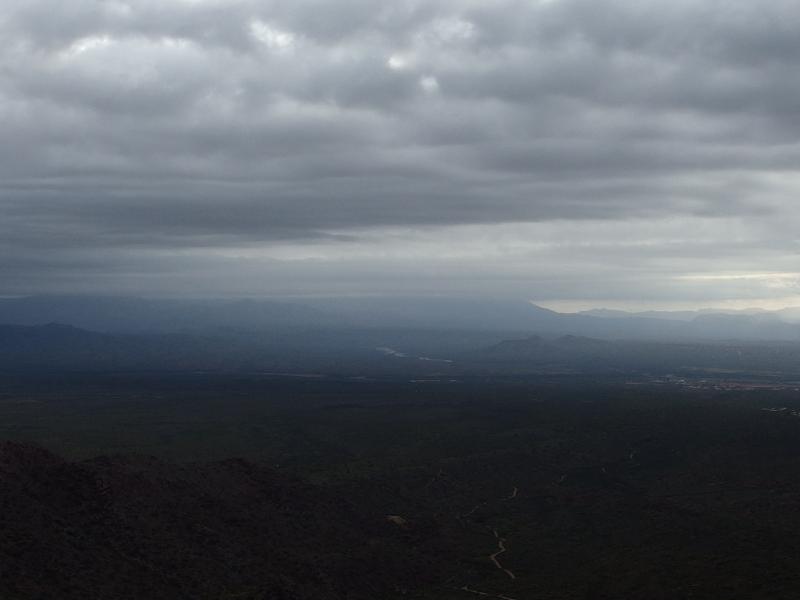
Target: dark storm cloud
(135, 130)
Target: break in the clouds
(575, 150)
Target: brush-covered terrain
(205, 486)
(138, 527)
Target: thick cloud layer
(584, 150)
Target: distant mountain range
(139, 315)
(56, 347)
(337, 315)
(787, 315)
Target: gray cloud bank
(561, 149)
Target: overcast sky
(574, 152)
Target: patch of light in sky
(271, 37)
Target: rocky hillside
(137, 527)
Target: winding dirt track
(471, 512)
(485, 594)
(501, 548)
(501, 545)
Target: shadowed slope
(137, 527)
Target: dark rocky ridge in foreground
(138, 527)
